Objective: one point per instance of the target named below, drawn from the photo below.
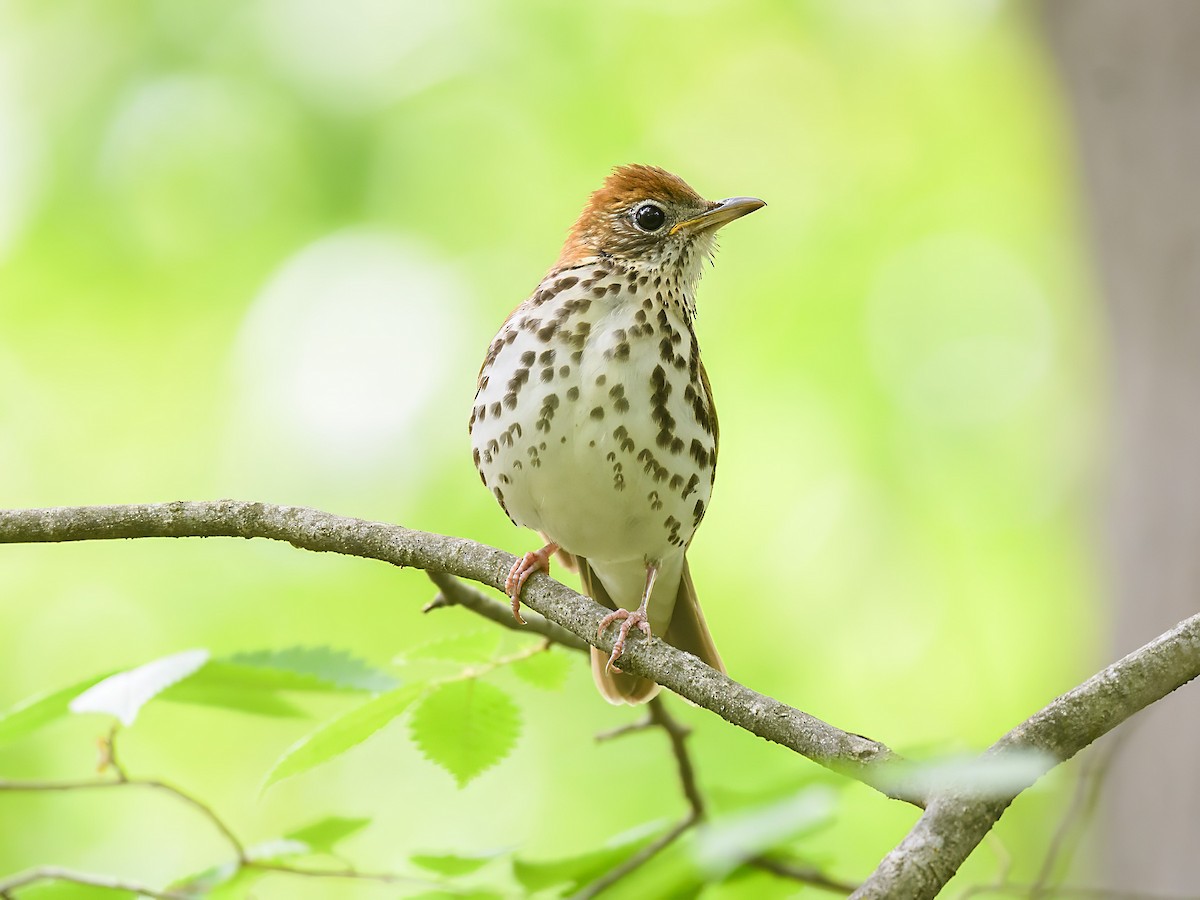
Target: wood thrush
(594, 421)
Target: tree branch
(954, 823)
(310, 529)
(56, 873)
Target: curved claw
(629, 620)
(534, 561)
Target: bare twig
(1083, 801)
(455, 593)
(808, 875)
(657, 717)
(122, 779)
(57, 873)
(639, 859)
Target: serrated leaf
(259, 702)
(454, 864)
(465, 727)
(323, 835)
(41, 709)
(547, 670)
(333, 668)
(576, 871)
(343, 732)
(733, 839)
(124, 694)
(468, 647)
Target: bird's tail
(685, 629)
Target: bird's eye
(649, 217)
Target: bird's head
(646, 214)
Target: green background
(257, 250)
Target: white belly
(588, 464)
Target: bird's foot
(629, 620)
(534, 561)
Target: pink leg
(629, 620)
(537, 560)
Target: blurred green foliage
(257, 249)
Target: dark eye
(649, 217)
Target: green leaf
(324, 666)
(576, 871)
(465, 727)
(466, 894)
(547, 670)
(124, 694)
(41, 709)
(323, 835)
(731, 840)
(468, 647)
(259, 702)
(995, 775)
(455, 864)
(343, 732)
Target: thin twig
(678, 735)
(105, 882)
(348, 872)
(621, 731)
(455, 593)
(808, 875)
(1091, 776)
(657, 716)
(639, 859)
(242, 859)
(125, 781)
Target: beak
(724, 212)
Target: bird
(593, 421)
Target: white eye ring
(649, 217)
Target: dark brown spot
(597, 412)
(573, 394)
(548, 374)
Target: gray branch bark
(954, 821)
(310, 529)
